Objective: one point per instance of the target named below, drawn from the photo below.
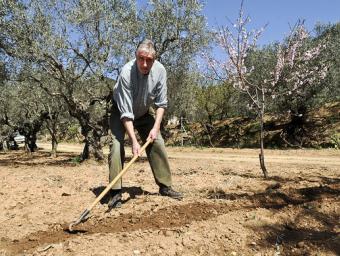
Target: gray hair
(148, 46)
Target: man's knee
(115, 147)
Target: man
(141, 84)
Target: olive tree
(76, 48)
(79, 45)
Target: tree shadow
(272, 199)
(39, 159)
(45, 159)
(328, 180)
(292, 238)
(303, 240)
(257, 176)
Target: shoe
(168, 191)
(116, 199)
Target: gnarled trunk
(54, 147)
(31, 142)
(294, 134)
(93, 147)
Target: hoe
(85, 215)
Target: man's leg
(157, 156)
(116, 156)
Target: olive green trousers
(155, 152)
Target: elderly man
(141, 84)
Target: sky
(279, 15)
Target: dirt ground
(228, 208)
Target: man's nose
(144, 63)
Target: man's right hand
(136, 148)
(128, 124)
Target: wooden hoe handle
(84, 216)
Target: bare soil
(228, 208)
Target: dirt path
(228, 209)
(315, 157)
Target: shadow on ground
(294, 239)
(132, 191)
(276, 199)
(65, 159)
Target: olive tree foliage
(6, 128)
(179, 31)
(17, 114)
(28, 115)
(216, 101)
(330, 89)
(3, 73)
(79, 45)
(292, 67)
(57, 120)
(25, 107)
(53, 111)
(76, 48)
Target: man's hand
(128, 124)
(156, 127)
(136, 148)
(153, 133)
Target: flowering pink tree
(291, 68)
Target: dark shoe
(116, 199)
(168, 191)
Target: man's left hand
(153, 133)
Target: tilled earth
(228, 208)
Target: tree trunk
(5, 145)
(54, 147)
(31, 142)
(93, 147)
(261, 155)
(294, 134)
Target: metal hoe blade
(83, 217)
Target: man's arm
(157, 125)
(128, 124)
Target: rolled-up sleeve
(161, 100)
(123, 98)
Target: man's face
(144, 61)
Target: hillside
(320, 128)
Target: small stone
(300, 244)
(253, 243)
(136, 252)
(233, 253)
